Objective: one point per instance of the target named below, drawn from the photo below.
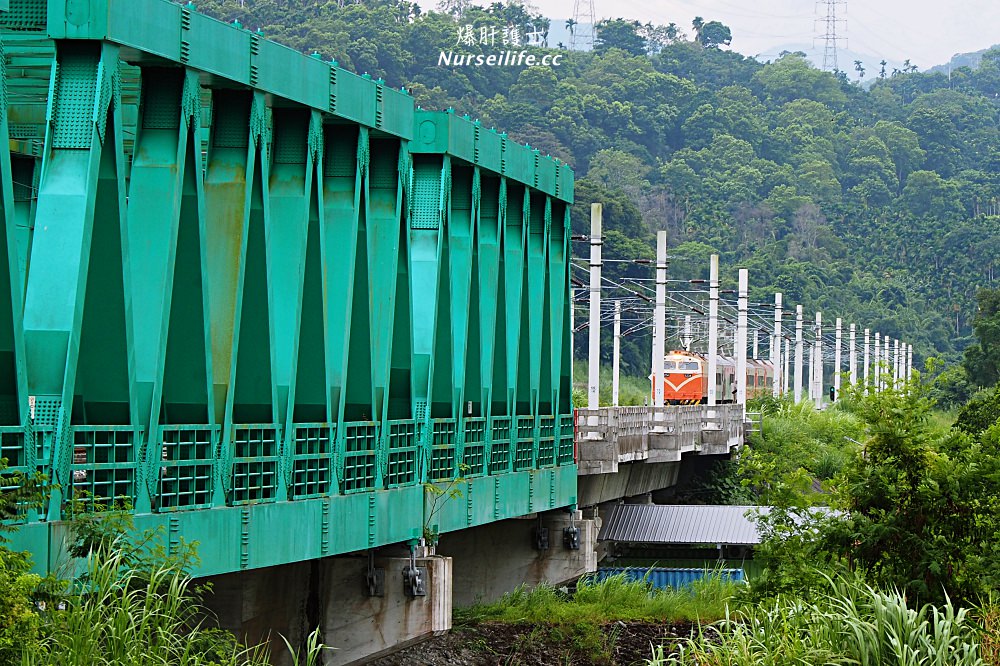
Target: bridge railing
(608, 436)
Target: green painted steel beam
(313, 301)
(445, 132)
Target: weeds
(590, 623)
(849, 622)
(114, 614)
(609, 600)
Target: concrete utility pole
(572, 329)
(713, 328)
(903, 361)
(741, 337)
(787, 357)
(853, 351)
(798, 353)
(776, 348)
(909, 362)
(687, 333)
(594, 352)
(896, 373)
(659, 318)
(836, 359)
(867, 357)
(617, 354)
(903, 347)
(877, 352)
(886, 376)
(756, 346)
(818, 361)
(810, 370)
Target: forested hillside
(879, 205)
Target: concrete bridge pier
(365, 617)
(495, 558)
(333, 593)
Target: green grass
(610, 600)
(584, 627)
(117, 615)
(849, 622)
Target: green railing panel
(255, 463)
(103, 469)
(17, 447)
(360, 456)
(526, 447)
(312, 460)
(567, 440)
(184, 457)
(546, 441)
(500, 445)
(444, 441)
(474, 448)
(404, 446)
(14, 448)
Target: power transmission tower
(582, 38)
(830, 39)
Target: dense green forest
(878, 203)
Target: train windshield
(688, 365)
(670, 365)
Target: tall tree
(982, 359)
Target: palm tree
(859, 68)
(698, 23)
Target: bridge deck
(609, 436)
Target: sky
(927, 32)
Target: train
(684, 378)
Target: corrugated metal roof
(682, 524)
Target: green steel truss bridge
(262, 300)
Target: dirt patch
(614, 644)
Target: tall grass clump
(117, 615)
(615, 598)
(848, 622)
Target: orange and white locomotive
(684, 378)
